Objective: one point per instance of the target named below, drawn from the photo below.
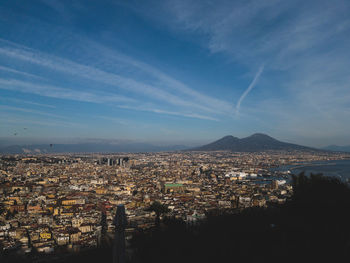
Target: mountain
(225, 143)
(88, 148)
(254, 143)
(338, 148)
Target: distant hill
(88, 148)
(254, 143)
(337, 148)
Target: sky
(178, 71)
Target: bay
(336, 168)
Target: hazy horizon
(10, 141)
(31, 141)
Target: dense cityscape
(54, 203)
(174, 131)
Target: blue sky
(174, 71)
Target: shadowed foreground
(313, 226)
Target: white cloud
(161, 111)
(304, 45)
(194, 100)
(250, 87)
(163, 79)
(16, 120)
(19, 101)
(63, 93)
(11, 70)
(60, 93)
(11, 108)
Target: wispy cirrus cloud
(20, 101)
(194, 100)
(304, 45)
(17, 120)
(63, 93)
(250, 87)
(12, 108)
(167, 112)
(60, 93)
(252, 30)
(113, 119)
(162, 79)
(11, 70)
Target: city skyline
(175, 71)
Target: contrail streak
(251, 86)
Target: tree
(159, 209)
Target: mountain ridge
(253, 143)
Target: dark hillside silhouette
(314, 226)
